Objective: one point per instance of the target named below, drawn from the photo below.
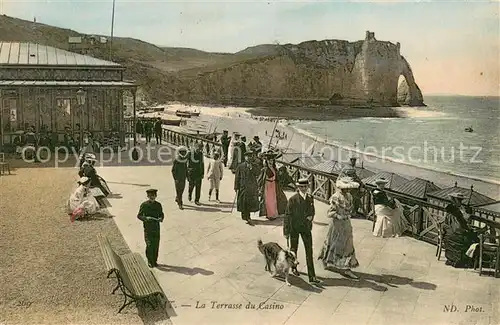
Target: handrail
(322, 187)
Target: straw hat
(381, 181)
(302, 182)
(346, 183)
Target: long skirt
(456, 245)
(390, 222)
(271, 199)
(338, 248)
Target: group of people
(148, 127)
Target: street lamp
(81, 96)
(135, 154)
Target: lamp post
(80, 98)
(135, 154)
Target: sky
(452, 46)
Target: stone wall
(364, 71)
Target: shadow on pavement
(183, 269)
(377, 282)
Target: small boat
(183, 113)
(469, 129)
(186, 113)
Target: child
(151, 214)
(214, 175)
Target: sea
(433, 137)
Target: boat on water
(469, 129)
(188, 114)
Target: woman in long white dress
(390, 221)
(338, 249)
(81, 203)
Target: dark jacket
(154, 210)
(148, 127)
(139, 127)
(245, 183)
(158, 127)
(196, 165)
(180, 168)
(224, 140)
(296, 214)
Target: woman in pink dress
(273, 199)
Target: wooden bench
(135, 279)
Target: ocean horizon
(431, 137)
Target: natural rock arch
(408, 91)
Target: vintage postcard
(249, 162)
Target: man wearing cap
(298, 221)
(180, 173)
(458, 235)
(151, 214)
(224, 140)
(350, 171)
(246, 188)
(196, 171)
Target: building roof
(417, 188)
(394, 179)
(309, 162)
(49, 83)
(291, 157)
(494, 207)
(36, 54)
(363, 172)
(472, 197)
(328, 166)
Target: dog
(281, 259)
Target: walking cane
(234, 201)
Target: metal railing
(322, 187)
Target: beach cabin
(394, 180)
(416, 189)
(442, 198)
(55, 91)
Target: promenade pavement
(213, 273)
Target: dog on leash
(281, 259)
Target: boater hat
(249, 153)
(346, 183)
(302, 182)
(381, 181)
(152, 191)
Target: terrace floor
(210, 257)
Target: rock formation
(362, 73)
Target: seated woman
(458, 236)
(80, 203)
(390, 221)
(87, 170)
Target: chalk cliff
(362, 73)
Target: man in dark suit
(224, 140)
(180, 174)
(158, 130)
(196, 171)
(298, 220)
